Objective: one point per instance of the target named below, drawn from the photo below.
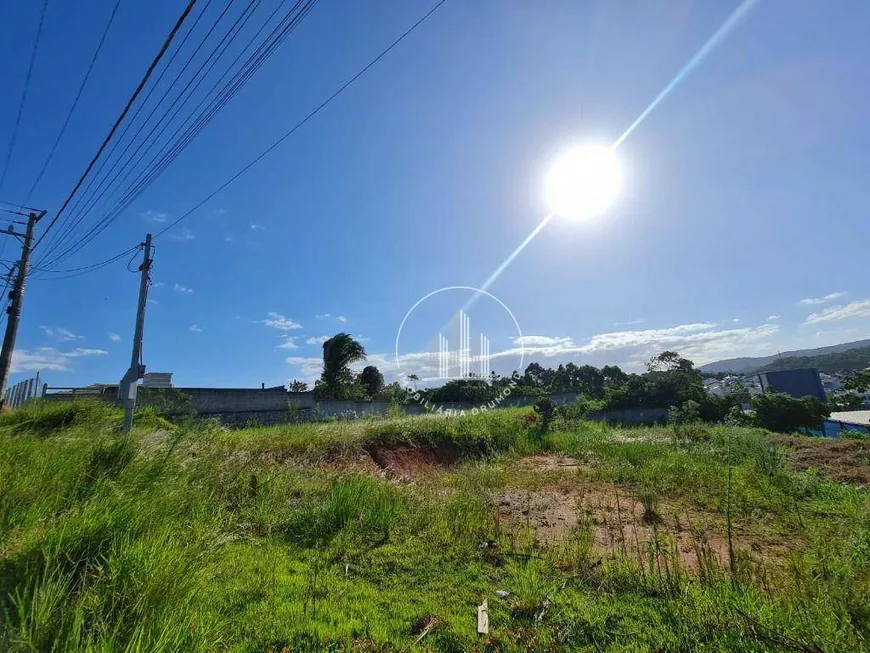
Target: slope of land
(385, 535)
(751, 364)
(843, 361)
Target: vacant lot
(386, 535)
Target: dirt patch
(551, 512)
(626, 526)
(546, 463)
(403, 461)
(842, 460)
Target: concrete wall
(237, 407)
(206, 401)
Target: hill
(385, 535)
(843, 361)
(751, 364)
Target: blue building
(797, 383)
(848, 420)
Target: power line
(24, 94)
(299, 124)
(199, 118)
(74, 272)
(174, 146)
(77, 202)
(95, 189)
(18, 206)
(130, 102)
(75, 102)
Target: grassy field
(385, 535)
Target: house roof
(859, 417)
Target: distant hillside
(842, 361)
(826, 359)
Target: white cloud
(772, 318)
(114, 337)
(823, 300)
(60, 334)
(195, 328)
(321, 316)
(319, 340)
(181, 235)
(541, 341)
(153, 301)
(228, 239)
(855, 309)
(156, 216)
(630, 322)
(159, 284)
(289, 343)
(49, 358)
(700, 342)
(280, 322)
(625, 339)
(184, 290)
(736, 320)
(309, 367)
(257, 227)
(341, 318)
(78, 351)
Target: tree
(859, 382)
(777, 411)
(298, 386)
(337, 381)
(848, 401)
(372, 380)
(669, 361)
(473, 391)
(413, 378)
(613, 376)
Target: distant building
(797, 383)
(847, 420)
(157, 380)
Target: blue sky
(741, 227)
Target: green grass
(196, 538)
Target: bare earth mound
(843, 460)
(404, 461)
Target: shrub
(777, 411)
(546, 409)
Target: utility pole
(16, 299)
(129, 384)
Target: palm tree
(339, 352)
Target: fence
(22, 391)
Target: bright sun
(583, 182)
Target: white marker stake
(483, 618)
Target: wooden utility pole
(16, 299)
(129, 387)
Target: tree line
(670, 381)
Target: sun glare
(583, 182)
